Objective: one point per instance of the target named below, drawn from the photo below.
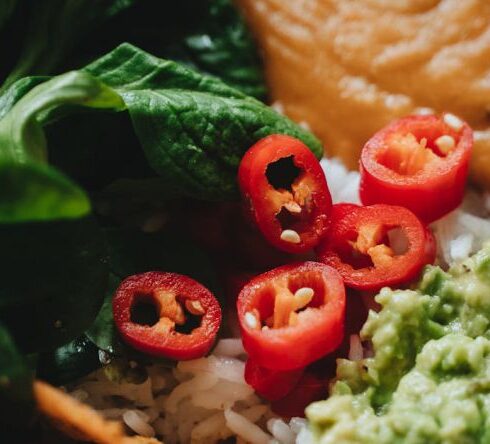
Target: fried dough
(349, 67)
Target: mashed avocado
(429, 378)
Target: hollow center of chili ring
(291, 197)
(408, 154)
(375, 246)
(144, 311)
(166, 311)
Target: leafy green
(222, 46)
(16, 397)
(209, 35)
(103, 332)
(133, 251)
(53, 280)
(19, 89)
(54, 27)
(29, 188)
(69, 362)
(194, 129)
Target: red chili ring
(397, 169)
(173, 296)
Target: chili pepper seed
(290, 236)
(445, 143)
(251, 320)
(454, 122)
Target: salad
(181, 264)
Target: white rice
(200, 401)
(207, 399)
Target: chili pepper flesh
(285, 190)
(418, 162)
(292, 315)
(185, 318)
(292, 203)
(376, 246)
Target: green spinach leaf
(54, 277)
(29, 188)
(208, 35)
(194, 129)
(222, 46)
(103, 332)
(54, 28)
(69, 362)
(133, 251)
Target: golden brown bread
(348, 67)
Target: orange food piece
(347, 68)
(80, 421)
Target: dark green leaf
(133, 251)
(222, 46)
(104, 151)
(103, 332)
(53, 280)
(53, 28)
(16, 397)
(18, 90)
(194, 129)
(69, 362)
(29, 188)
(208, 35)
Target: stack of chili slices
(292, 317)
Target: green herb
(218, 43)
(54, 28)
(208, 35)
(30, 189)
(69, 362)
(194, 129)
(103, 332)
(54, 277)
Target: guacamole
(428, 380)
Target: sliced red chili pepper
(292, 315)
(359, 247)
(181, 323)
(309, 389)
(419, 162)
(285, 188)
(271, 384)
